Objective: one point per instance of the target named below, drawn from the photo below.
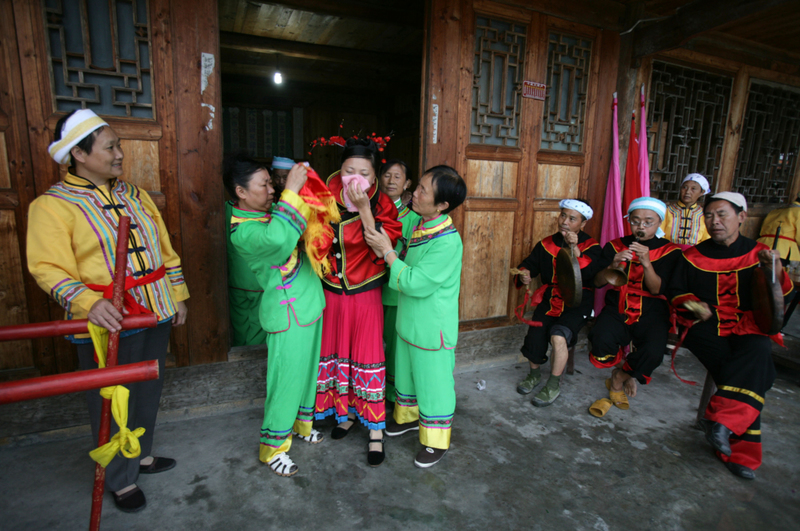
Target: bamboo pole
(67, 328)
(120, 267)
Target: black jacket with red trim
(542, 261)
(721, 277)
(664, 255)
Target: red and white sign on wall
(531, 89)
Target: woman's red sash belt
(128, 301)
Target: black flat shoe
(741, 470)
(132, 501)
(718, 436)
(159, 464)
(340, 433)
(376, 458)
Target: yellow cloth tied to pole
(125, 441)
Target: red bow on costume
(129, 303)
(318, 235)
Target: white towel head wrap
(77, 127)
(579, 206)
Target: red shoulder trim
(588, 244)
(618, 245)
(723, 265)
(550, 246)
(664, 250)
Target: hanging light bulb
(277, 78)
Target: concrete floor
(511, 466)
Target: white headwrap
(733, 197)
(282, 163)
(579, 206)
(649, 203)
(77, 127)
(699, 179)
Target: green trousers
(389, 340)
(292, 367)
(425, 390)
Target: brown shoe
(427, 457)
(393, 429)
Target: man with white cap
(561, 324)
(72, 233)
(279, 171)
(636, 310)
(683, 222)
(714, 278)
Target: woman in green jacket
(427, 277)
(265, 235)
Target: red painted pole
(61, 384)
(120, 267)
(66, 328)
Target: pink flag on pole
(612, 210)
(644, 155)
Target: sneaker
(393, 429)
(546, 396)
(527, 385)
(427, 457)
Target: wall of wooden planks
(513, 192)
(176, 157)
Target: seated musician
(637, 310)
(561, 324)
(683, 223)
(788, 219)
(716, 274)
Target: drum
(568, 278)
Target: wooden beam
(305, 75)
(304, 50)
(606, 14)
(355, 10)
(745, 51)
(693, 19)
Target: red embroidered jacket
(354, 266)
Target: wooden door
(521, 156)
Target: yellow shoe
(618, 398)
(600, 407)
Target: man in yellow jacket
(788, 219)
(683, 223)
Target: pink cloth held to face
(346, 180)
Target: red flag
(633, 189)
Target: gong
(568, 278)
(767, 301)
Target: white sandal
(283, 465)
(314, 438)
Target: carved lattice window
(99, 56)
(568, 60)
(497, 82)
(769, 146)
(686, 117)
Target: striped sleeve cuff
(293, 209)
(74, 296)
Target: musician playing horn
(636, 310)
(561, 324)
(716, 275)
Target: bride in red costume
(352, 374)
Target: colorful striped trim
(286, 211)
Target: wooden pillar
(194, 30)
(442, 73)
(733, 131)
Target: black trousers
(742, 368)
(537, 339)
(649, 337)
(150, 344)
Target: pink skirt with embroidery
(352, 371)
